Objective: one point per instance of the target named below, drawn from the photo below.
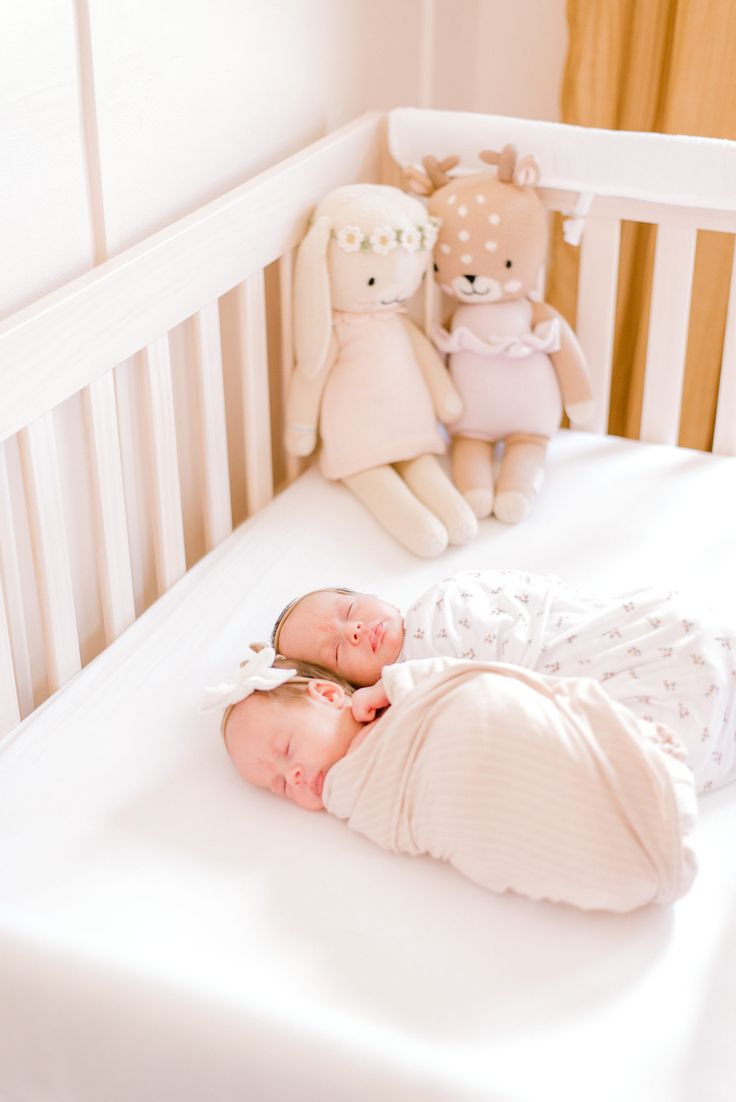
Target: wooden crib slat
(596, 309)
(10, 576)
(113, 551)
(668, 326)
(724, 436)
(9, 710)
(168, 525)
(250, 297)
(286, 301)
(39, 462)
(9, 697)
(218, 520)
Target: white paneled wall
(118, 118)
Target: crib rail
(71, 341)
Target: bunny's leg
(522, 471)
(428, 481)
(385, 494)
(472, 471)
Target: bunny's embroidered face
(493, 228)
(363, 282)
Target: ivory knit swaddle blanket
(650, 649)
(539, 785)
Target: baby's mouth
(316, 783)
(376, 636)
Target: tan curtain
(669, 66)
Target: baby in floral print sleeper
(650, 650)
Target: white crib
(166, 932)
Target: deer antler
(506, 161)
(439, 171)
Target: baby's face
(289, 747)
(354, 635)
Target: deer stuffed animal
(515, 361)
(367, 382)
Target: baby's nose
(295, 776)
(355, 630)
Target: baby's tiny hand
(363, 710)
(367, 701)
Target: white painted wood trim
(168, 526)
(627, 209)
(724, 436)
(113, 549)
(10, 580)
(596, 309)
(218, 520)
(39, 462)
(286, 303)
(251, 307)
(667, 342)
(60, 344)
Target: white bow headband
(256, 674)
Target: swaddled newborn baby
(539, 785)
(650, 650)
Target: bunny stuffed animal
(366, 377)
(516, 362)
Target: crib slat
(113, 553)
(9, 710)
(596, 311)
(39, 462)
(9, 702)
(218, 520)
(724, 436)
(286, 300)
(256, 404)
(168, 526)
(668, 326)
(10, 572)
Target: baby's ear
(326, 692)
(528, 172)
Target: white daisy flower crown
(384, 239)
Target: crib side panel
(155, 313)
(670, 308)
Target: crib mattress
(167, 932)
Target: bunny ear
(416, 181)
(528, 172)
(312, 304)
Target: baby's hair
(286, 612)
(294, 689)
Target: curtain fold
(667, 66)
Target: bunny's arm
(570, 366)
(303, 405)
(445, 398)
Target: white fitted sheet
(168, 932)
